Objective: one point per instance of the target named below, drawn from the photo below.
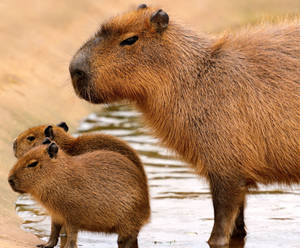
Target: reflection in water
(182, 213)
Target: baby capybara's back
(73, 146)
(104, 193)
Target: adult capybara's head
(35, 136)
(32, 168)
(126, 58)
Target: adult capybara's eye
(33, 164)
(129, 41)
(31, 138)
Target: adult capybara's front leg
(227, 196)
(239, 231)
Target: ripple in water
(182, 212)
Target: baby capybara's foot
(45, 245)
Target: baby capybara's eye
(33, 164)
(31, 138)
(129, 41)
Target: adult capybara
(73, 146)
(228, 105)
(99, 191)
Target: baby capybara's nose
(79, 67)
(11, 181)
(15, 145)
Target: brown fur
(229, 106)
(99, 191)
(75, 146)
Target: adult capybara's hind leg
(227, 196)
(239, 231)
(72, 233)
(127, 242)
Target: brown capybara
(73, 146)
(228, 105)
(100, 191)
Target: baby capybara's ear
(46, 141)
(52, 150)
(63, 125)
(160, 20)
(49, 132)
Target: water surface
(182, 212)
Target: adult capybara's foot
(239, 233)
(218, 242)
(127, 242)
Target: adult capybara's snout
(80, 74)
(79, 66)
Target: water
(182, 213)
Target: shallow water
(182, 213)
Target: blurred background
(39, 38)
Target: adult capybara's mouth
(81, 81)
(88, 94)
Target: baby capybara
(99, 191)
(228, 105)
(73, 146)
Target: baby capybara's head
(35, 136)
(31, 169)
(126, 58)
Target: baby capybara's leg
(55, 230)
(239, 230)
(72, 233)
(227, 196)
(128, 242)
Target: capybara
(73, 146)
(99, 191)
(228, 105)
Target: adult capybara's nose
(79, 68)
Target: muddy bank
(37, 41)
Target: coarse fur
(100, 191)
(73, 145)
(230, 106)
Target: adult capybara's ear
(142, 6)
(46, 141)
(63, 125)
(160, 20)
(49, 132)
(52, 150)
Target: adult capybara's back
(228, 105)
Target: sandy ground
(37, 40)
